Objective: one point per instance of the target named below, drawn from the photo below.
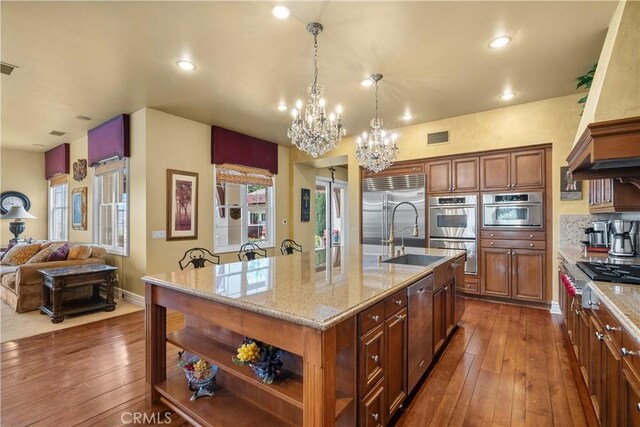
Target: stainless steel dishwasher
(420, 302)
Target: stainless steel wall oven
(513, 210)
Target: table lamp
(17, 213)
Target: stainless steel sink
(414, 259)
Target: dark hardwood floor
(507, 366)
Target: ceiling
(100, 59)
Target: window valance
(56, 161)
(110, 139)
(235, 148)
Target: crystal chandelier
(311, 130)
(377, 149)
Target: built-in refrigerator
(380, 195)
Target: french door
(331, 213)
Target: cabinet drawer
(513, 235)
(632, 346)
(370, 318)
(471, 285)
(609, 323)
(395, 302)
(371, 357)
(442, 275)
(512, 244)
(372, 407)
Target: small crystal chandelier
(311, 130)
(377, 149)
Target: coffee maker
(624, 239)
(597, 236)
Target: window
(58, 209)
(243, 213)
(111, 206)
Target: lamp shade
(18, 212)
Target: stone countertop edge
(304, 321)
(572, 256)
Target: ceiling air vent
(7, 68)
(438, 138)
(56, 133)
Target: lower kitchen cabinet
(514, 273)
(396, 357)
(372, 407)
(612, 376)
(596, 358)
(630, 396)
(372, 357)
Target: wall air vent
(7, 68)
(435, 138)
(57, 133)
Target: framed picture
(570, 189)
(305, 205)
(79, 208)
(182, 205)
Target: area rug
(20, 325)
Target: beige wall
(78, 150)
(549, 121)
(23, 171)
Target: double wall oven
(453, 225)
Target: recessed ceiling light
(57, 133)
(501, 41)
(281, 107)
(507, 96)
(186, 65)
(38, 145)
(407, 116)
(280, 11)
(82, 117)
(367, 82)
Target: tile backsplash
(571, 227)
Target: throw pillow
(44, 253)
(60, 254)
(11, 244)
(20, 254)
(79, 252)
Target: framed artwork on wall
(305, 205)
(570, 189)
(79, 208)
(182, 205)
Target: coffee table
(55, 281)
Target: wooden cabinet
(630, 396)
(396, 357)
(444, 296)
(596, 358)
(612, 377)
(439, 321)
(453, 176)
(514, 273)
(511, 171)
(382, 359)
(372, 407)
(610, 195)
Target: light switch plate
(162, 234)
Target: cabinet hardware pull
(531, 236)
(446, 287)
(421, 363)
(491, 243)
(421, 290)
(453, 188)
(398, 301)
(375, 358)
(638, 407)
(531, 244)
(599, 336)
(376, 416)
(491, 235)
(612, 328)
(375, 318)
(626, 352)
(399, 317)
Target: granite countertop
(302, 289)
(623, 300)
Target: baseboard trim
(555, 308)
(135, 299)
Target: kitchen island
(311, 305)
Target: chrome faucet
(391, 231)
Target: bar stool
(249, 252)
(288, 246)
(198, 257)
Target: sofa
(21, 285)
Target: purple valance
(110, 139)
(232, 147)
(56, 161)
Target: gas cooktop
(618, 273)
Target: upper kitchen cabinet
(608, 149)
(514, 170)
(397, 169)
(453, 176)
(610, 195)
